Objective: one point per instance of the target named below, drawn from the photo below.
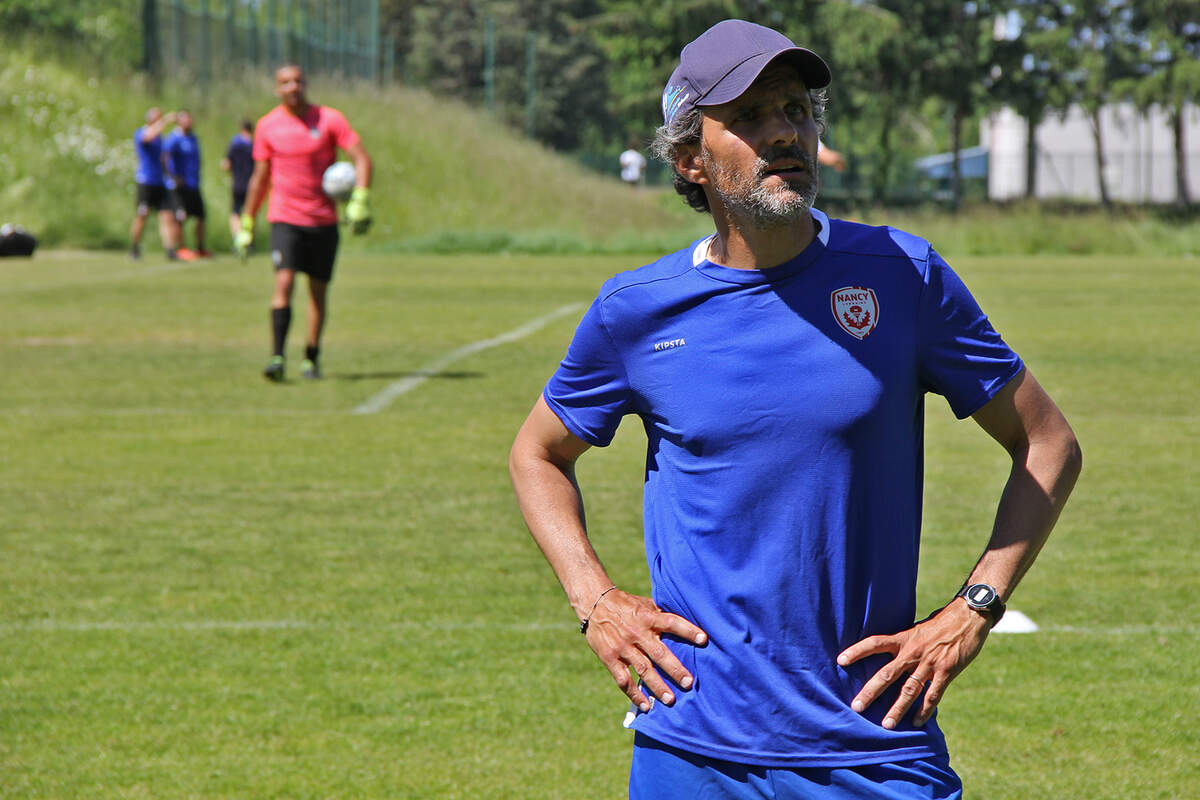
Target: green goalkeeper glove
(244, 237)
(358, 210)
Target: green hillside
(447, 176)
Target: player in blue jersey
(779, 369)
(239, 163)
(151, 187)
(181, 158)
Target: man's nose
(783, 129)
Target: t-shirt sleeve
(262, 150)
(343, 135)
(590, 391)
(961, 356)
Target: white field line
(133, 626)
(169, 266)
(390, 393)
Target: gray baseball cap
(721, 63)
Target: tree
(873, 88)
(1094, 42)
(953, 43)
(446, 48)
(1025, 78)
(1169, 71)
(641, 43)
(569, 89)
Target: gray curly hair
(684, 131)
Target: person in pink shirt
(293, 146)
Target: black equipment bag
(16, 241)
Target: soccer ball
(338, 181)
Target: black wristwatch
(984, 599)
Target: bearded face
(776, 188)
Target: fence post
(151, 53)
(347, 55)
(354, 46)
(252, 35)
(229, 51)
(273, 32)
(489, 64)
(289, 7)
(389, 61)
(177, 34)
(530, 83)
(205, 47)
(306, 49)
(373, 40)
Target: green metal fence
(202, 39)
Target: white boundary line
(390, 393)
(133, 626)
(56, 626)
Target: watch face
(980, 595)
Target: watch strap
(984, 599)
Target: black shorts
(187, 202)
(239, 201)
(304, 248)
(149, 197)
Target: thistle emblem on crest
(856, 309)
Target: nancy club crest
(856, 309)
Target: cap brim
(813, 71)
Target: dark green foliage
(106, 31)
(911, 77)
(448, 55)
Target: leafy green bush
(106, 31)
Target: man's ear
(689, 164)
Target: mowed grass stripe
(214, 587)
(125, 626)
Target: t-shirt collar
(700, 257)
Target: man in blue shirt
(151, 188)
(779, 368)
(181, 157)
(239, 163)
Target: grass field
(215, 587)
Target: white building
(1139, 150)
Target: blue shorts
(661, 772)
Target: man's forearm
(255, 192)
(1041, 480)
(363, 169)
(552, 505)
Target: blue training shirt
(149, 159)
(784, 413)
(182, 159)
(241, 161)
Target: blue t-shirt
(241, 161)
(182, 159)
(149, 159)
(784, 413)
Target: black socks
(281, 320)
